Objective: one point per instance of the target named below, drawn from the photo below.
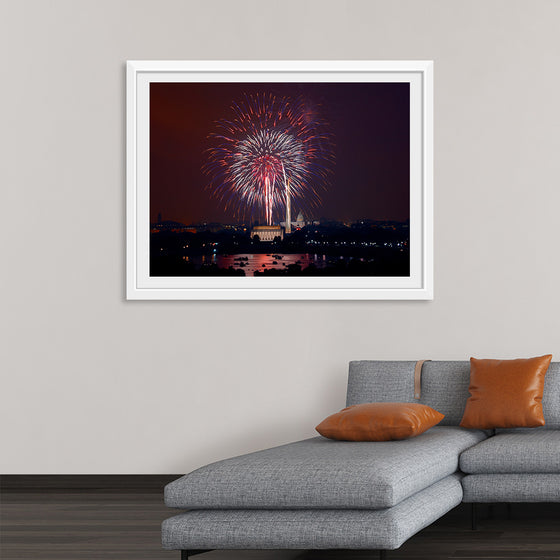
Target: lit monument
(288, 209)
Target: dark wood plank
(95, 524)
(65, 482)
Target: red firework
(272, 151)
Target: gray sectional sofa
(325, 494)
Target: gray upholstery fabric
(377, 381)
(445, 387)
(511, 488)
(531, 451)
(322, 473)
(312, 529)
(551, 396)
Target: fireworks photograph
(279, 179)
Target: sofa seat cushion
(522, 451)
(312, 529)
(319, 473)
(492, 488)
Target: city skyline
(300, 217)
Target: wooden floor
(91, 524)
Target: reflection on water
(252, 262)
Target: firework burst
(272, 151)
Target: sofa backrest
(445, 387)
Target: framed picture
(279, 180)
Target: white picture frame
(418, 286)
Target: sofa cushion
(551, 397)
(506, 393)
(322, 473)
(445, 387)
(491, 488)
(312, 529)
(523, 451)
(379, 422)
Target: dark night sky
(369, 123)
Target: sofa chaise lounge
(325, 494)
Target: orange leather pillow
(379, 422)
(506, 393)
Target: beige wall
(92, 383)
